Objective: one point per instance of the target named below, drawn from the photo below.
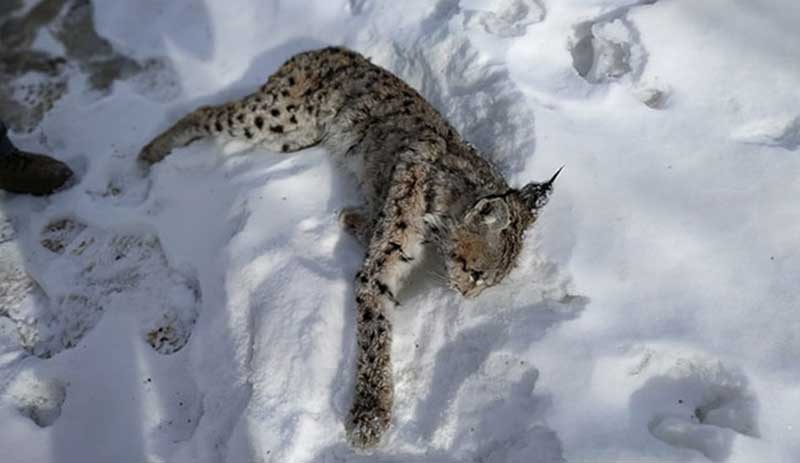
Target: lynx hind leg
(281, 116)
(188, 129)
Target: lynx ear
(491, 212)
(536, 195)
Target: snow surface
(203, 313)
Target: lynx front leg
(395, 244)
(356, 221)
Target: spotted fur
(422, 183)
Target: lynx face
(483, 247)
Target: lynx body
(422, 184)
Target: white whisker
(439, 276)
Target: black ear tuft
(536, 195)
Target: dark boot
(22, 172)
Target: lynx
(422, 183)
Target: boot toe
(32, 173)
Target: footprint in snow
(778, 132)
(37, 398)
(94, 270)
(607, 49)
(504, 18)
(38, 78)
(698, 404)
(127, 188)
(508, 426)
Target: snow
(653, 316)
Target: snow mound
(452, 71)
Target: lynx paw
(367, 425)
(154, 151)
(354, 220)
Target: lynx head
(481, 247)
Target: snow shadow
(250, 317)
(486, 361)
(286, 256)
(103, 418)
(478, 97)
(481, 401)
(343, 453)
